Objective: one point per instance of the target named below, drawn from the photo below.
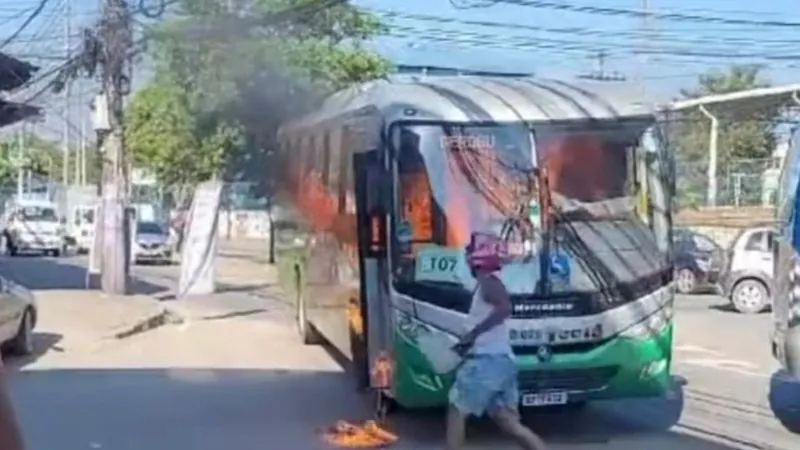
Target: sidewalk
(247, 287)
(83, 320)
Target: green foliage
(41, 156)
(224, 82)
(749, 135)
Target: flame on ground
(369, 435)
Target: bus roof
(484, 99)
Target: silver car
(152, 243)
(18, 315)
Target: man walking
(487, 380)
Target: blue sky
(539, 39)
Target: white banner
(198, 258)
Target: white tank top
(494, 341)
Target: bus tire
(308, 334)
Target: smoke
(247, 80)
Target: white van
(33, 225)
(83, 218)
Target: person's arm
(10, 434)
(494, 293)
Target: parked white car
(33, 225)
(747, 280)
(18, 316)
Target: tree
(42, 156)
(750, 135)
(224, 82)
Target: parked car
(748, 279)
(33, 225)
(699, 260)
(152, 243)
(18, 315)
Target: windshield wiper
(602, 277)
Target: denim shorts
(485, 383)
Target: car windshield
(38, 214)
(148, 228)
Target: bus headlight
(653, 325)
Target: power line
(528, 43)
(25, 24)
(635, 14)
(588, 32)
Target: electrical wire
(676, 37)
(15, 16)
(639, 14)
(528, 43)
(25, 24)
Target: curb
(163, 317)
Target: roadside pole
(115, 38)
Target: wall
(723, 223)
(243, 224)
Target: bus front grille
(591, 379)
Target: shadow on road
(208, 409)
(784, 400)
(42, 344)
(728, 308)
(38, 273)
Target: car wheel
(750, 296)
(22, 344)
(685, 281)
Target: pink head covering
(486, 251)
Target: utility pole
(67, 95)
(79, 156)
(644, 56)
(600, 74)
(19, 158)
(115, 39)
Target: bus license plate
(544, 399)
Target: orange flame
(369, 435)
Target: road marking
(695, 349)
(728, 365)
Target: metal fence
(743, 182)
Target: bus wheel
(308, 334)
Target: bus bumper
(620, 368)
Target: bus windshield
(591, 166)
(453, 180)
(605, 180)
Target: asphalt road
(248, 384)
